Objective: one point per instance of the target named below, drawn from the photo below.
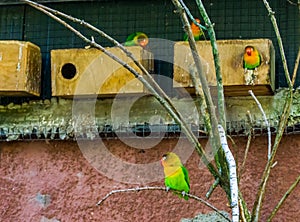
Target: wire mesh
(143, 131)
(233, 19)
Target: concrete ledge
(55, 120)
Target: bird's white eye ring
(164, 158)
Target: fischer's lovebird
(252, 58)
(196, 30)
(176, 175)
(137, 38)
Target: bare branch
(128, 190)
(101, 33)
(213, 131)
(242, 214)
(212, 188)
(266, 174)
(282, 123)
(279, 39)
(137, 189)
(219, 158)
(285, 196)
(191, 16)
(234, 190)
(166, 103)
(215, 52)
(292, 3)
(296, 67)
(247, 146)
(266, 122)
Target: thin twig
(166, 104)
(103, 34)
(128, 190)
(280, 44)
(188, 12)
(202, 107)
(192, 18)
(245, 155)
(212, 188)
(200, 100)
(266, 122)
(137, 189)
(296, 67)
(245, 213)
(213, 124)
(266, 174)
(282, 123)
(215, 52)
(220, 157)
(282, 200)
(292, 3)
(247, 146)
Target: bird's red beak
(249, 51)
(143, 43)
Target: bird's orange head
(142, 40)
(249, 50)
(195, 27)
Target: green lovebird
(197, 32)
(137, 38)
(252, 58)
(176, 175)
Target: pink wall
(52, 179)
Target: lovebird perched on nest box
(137, 38)
(251, 60)
(196, 30)
(176, 175)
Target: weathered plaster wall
(42, 180)
(68, 116)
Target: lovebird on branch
(196, 30)
(251, 60)
(137, 38)
(176, 175)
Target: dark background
(233, 19)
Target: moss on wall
(65, 117)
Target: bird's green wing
(197, 37)
(185, 37)
(179, 181)
(129, 41)
(259, 59)
(186, 176)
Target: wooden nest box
(20, 69)
(86, 72)
(231, 62)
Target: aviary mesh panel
(233, 19)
